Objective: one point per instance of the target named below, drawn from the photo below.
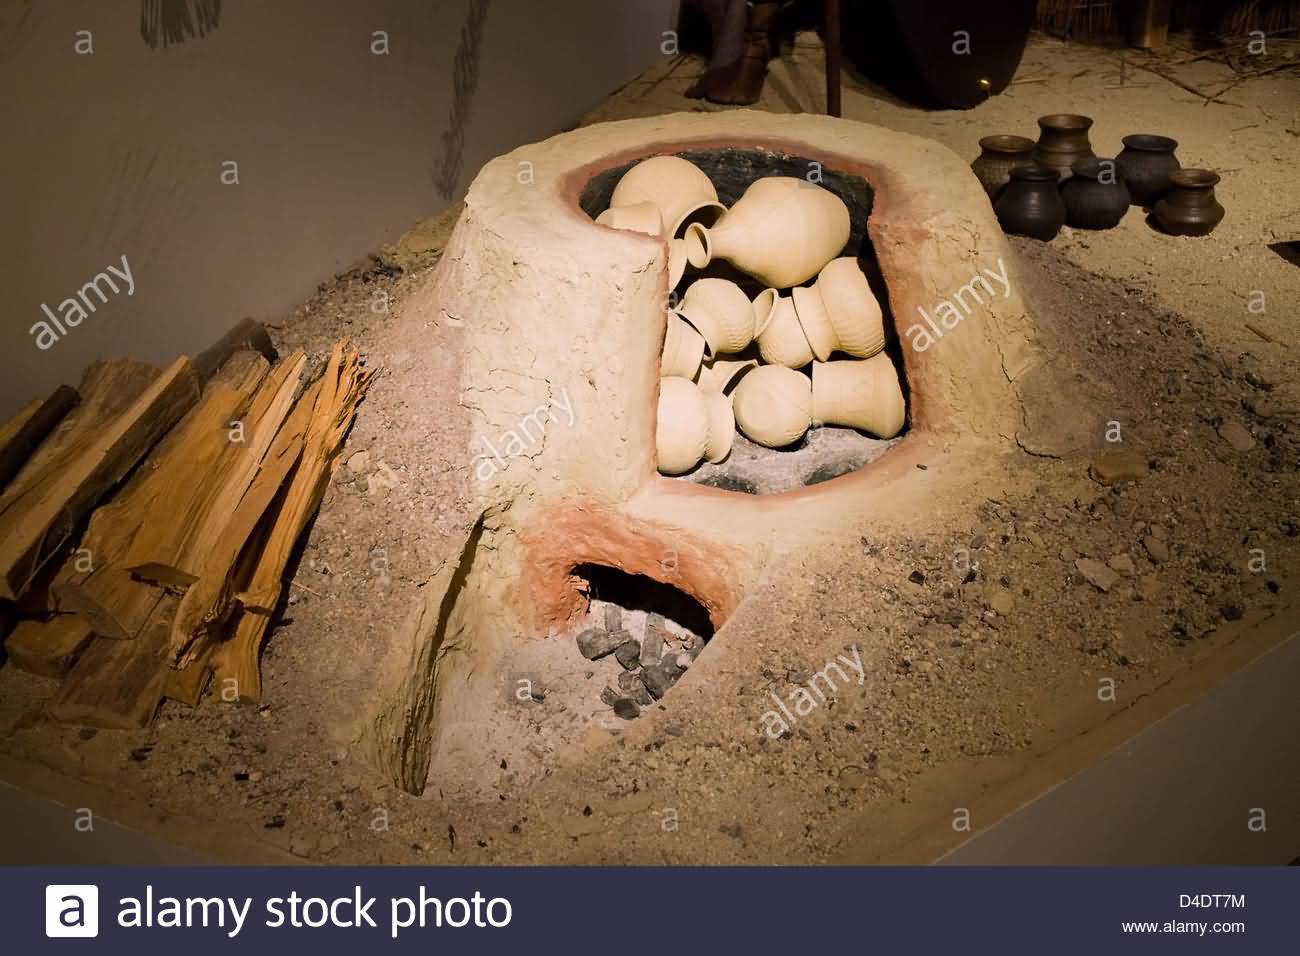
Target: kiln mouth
(824, 452)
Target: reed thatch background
(1107, 21)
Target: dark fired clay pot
(1189, 207)
(1145, 164)
(998, 156)
(1031, 205)
(1095, 197)
(1062, 140)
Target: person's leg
(743, 83)
(727, 20)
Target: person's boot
(741, 83)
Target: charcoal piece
(632, 686)
(610, 696)
(594, 643)
(629, 655)
(658, 678)
(613, 617)
(627, 709)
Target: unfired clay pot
(638, 217)
(773, 405)
(782, 341)
(722, 427)
(782, 231)
(680, 189)
(860, 394)
(682, 432)
(717, 374)
(839, 311)
(683, 349)
(722, 312)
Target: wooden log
(171, 552)
(179, 467)
(342, 387)
(118, 684)
(38, 518)
(187, 684)
(20, 438)
(49, 648)
(245, 335)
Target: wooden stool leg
(831, 37)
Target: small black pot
(1145, 164)
(1031, 205)
(1095, 197)
(1189, 207)
(1000, 154)
(1062, 139)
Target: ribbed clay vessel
(782, 342)
(718, 373)
(680, 189)
(859, 394)
(722, 312)
(839, 311)
(782, 231)
(773, 405)
(682, 433)
(683, 349)
(722, 427)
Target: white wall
(120, 152)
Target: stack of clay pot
(783, 232)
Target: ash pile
(651, 651)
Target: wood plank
(342, 387)
(246, 335)
(187, 684)
(24, 433)
(107, 595)
(171, 552)
(118, 684)
(1150, 28)
(49, 648)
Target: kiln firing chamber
(554, 311)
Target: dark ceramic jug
(1095, 197)
(998, 155)
(1145, 164)
(1031, 205)
(1189, 207)
(1062, 140)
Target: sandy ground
(987, 629)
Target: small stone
(695, 645)
(357, 463)
(610, 696)
(731, 829)
(917, 577)
(1261, 407)
(1096, 573)
(652, 647)
(628, 654)
(1236, 435)
(1159, 532)
(1002, 602)
(329, 843)
(1119, 464)
(626, 709)
(613, 617)
(1034, 538)
(595, 643)
(1122, 563)
(302, 846)
(1158, 550)
(1068, 555)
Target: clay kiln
(563, 323)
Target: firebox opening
(824, 452)
(639, 637)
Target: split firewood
(97, 583)
(171, 552)
(107, 389)
(187, 684)
(23, 434)
(48, 648)
(342, 387)
(245, 336)
(118, 684)
(38, 515)
(205, 602)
